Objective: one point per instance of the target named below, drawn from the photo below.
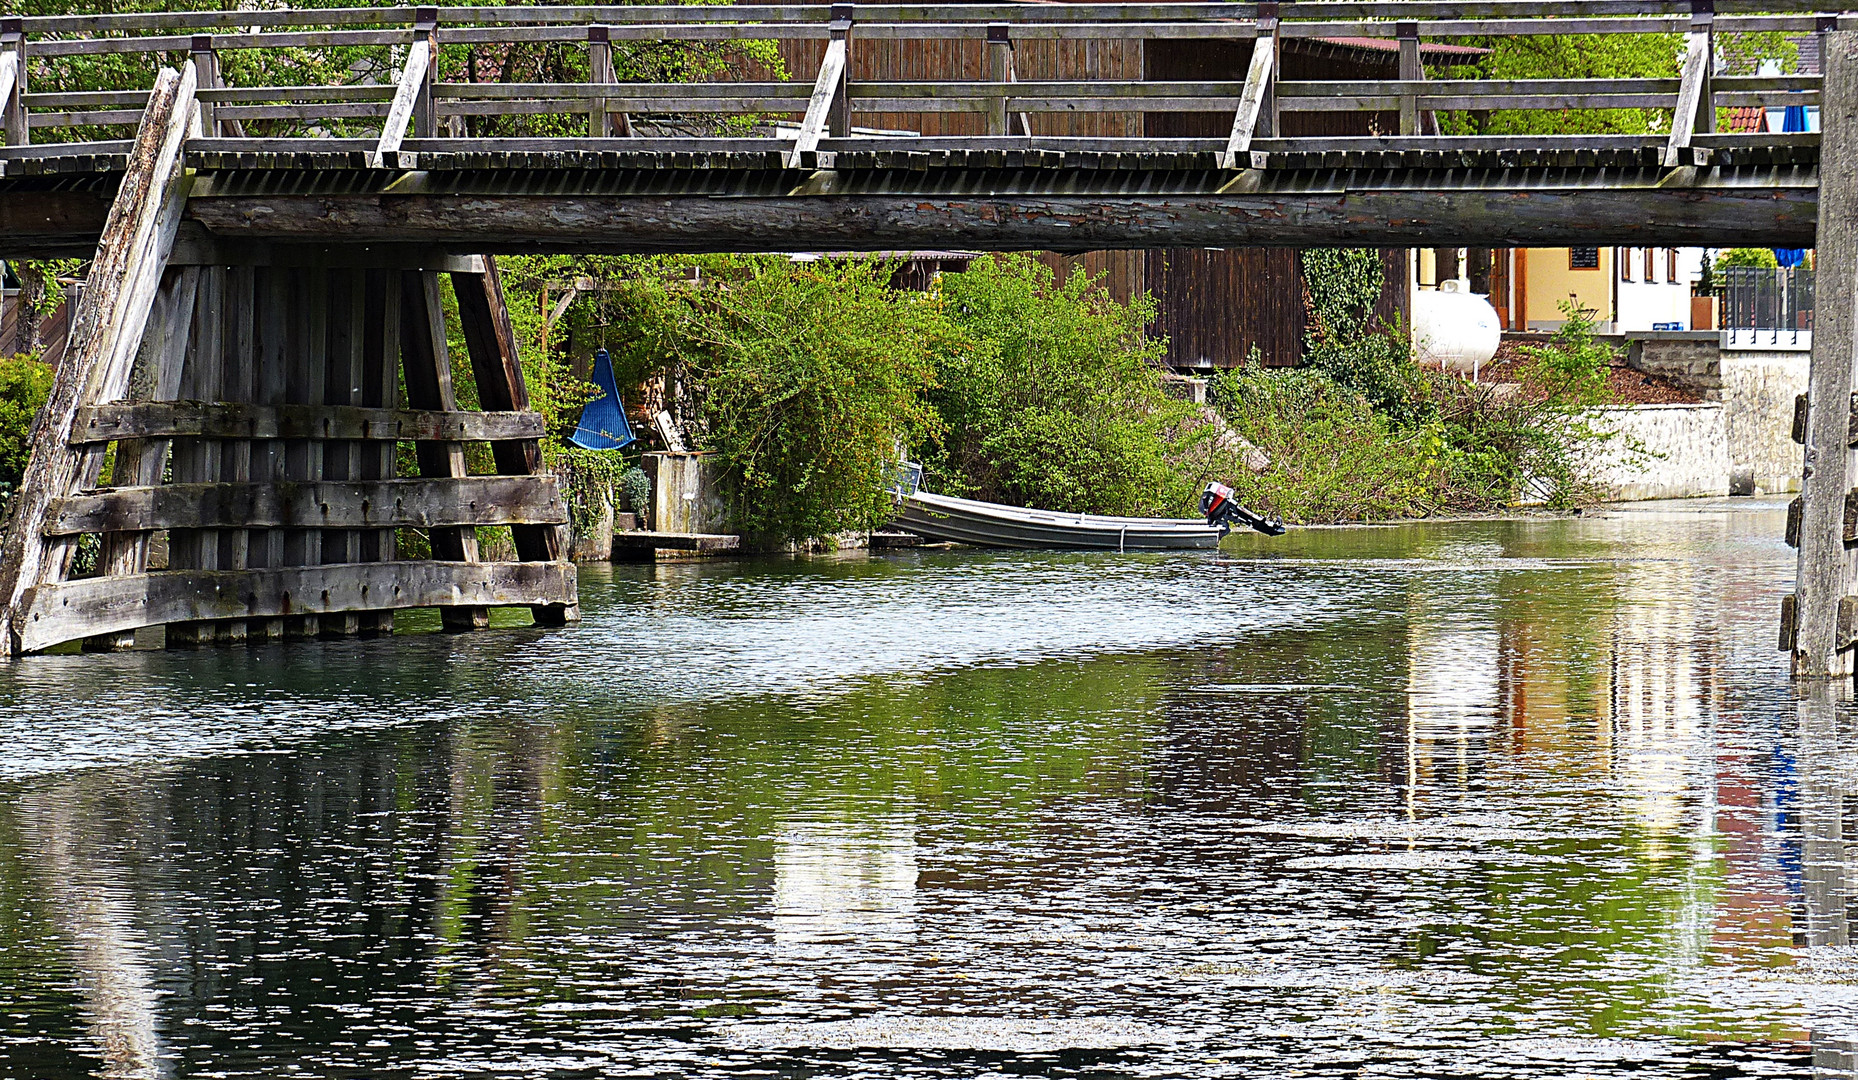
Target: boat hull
(984, 524)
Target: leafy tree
(1057, 400)
(809, 379)
(24, 385)
(1755, 257)
(1596, 56)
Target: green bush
(1756, 257)
(1337, 454)
(1055, 398)
(24, 385)
(1333, 457)
(808, 377)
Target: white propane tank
(1453, 328)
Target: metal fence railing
(1767, 306)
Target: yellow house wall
(1549, 282)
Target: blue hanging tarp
(1794, 119)
(603, 421)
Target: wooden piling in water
(1816, 621)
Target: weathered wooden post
(13, 82)
(206, 62)
(1000, 69)
(839, 120)
(426, 30)
(603, 122)
(1812, 626)
(1411, 70)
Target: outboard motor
(1221, 509)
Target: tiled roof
(1746, 119)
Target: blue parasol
(1793, 119)
(603, 421)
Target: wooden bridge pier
(252, 397)
(1819, 622)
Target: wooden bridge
(271, 257)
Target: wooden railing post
(1000, 70)
(839, 121)
(13, 82)
(426, 29)
(1411, 70)
(1811, 625)
(1267, 126)
(1254, 116)
(206, 63)
(602, 121)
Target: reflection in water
(1483, 799)
(834, 884)
(86, 895)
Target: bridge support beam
(1811, 624)
(263, 383)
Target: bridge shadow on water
(1484, 798)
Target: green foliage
(589, 480)
(1539, 443)
(1596, 56)
(24, 384)
(810, 376)
(1341, 287)
(1333, 457)
(635, 490)
(1453, 446)
(1755, 257)
(1055, 399)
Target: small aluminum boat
(985, 524)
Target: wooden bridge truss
(250, 407)
(249, 293)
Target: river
(1492, 798)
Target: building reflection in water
(89, 895)
(836, 882)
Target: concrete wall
(1758, 394)
(1756, 388)
(1690, 445)
(684, 494)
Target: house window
(1651, 266)
(1670, 265)
(1584, 258)
(1623, 256)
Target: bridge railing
(391, 104)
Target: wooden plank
(54, 613)
(112, 315)
(238, 349)
(428, 372)
(412, 85)
(198, 460)
(379, 389)
(140, 461)
(1824, 570)
(317, 504)
(1258, 84)
(641, 539)
(15, 126)
(227, 420)
(497, 369)
(1692, 98)
(341, 387)
(819, 106)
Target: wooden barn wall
(916, 60)
(1214, 305)
(1217, 305)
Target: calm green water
(1486, 799)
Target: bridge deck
(383, 156)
